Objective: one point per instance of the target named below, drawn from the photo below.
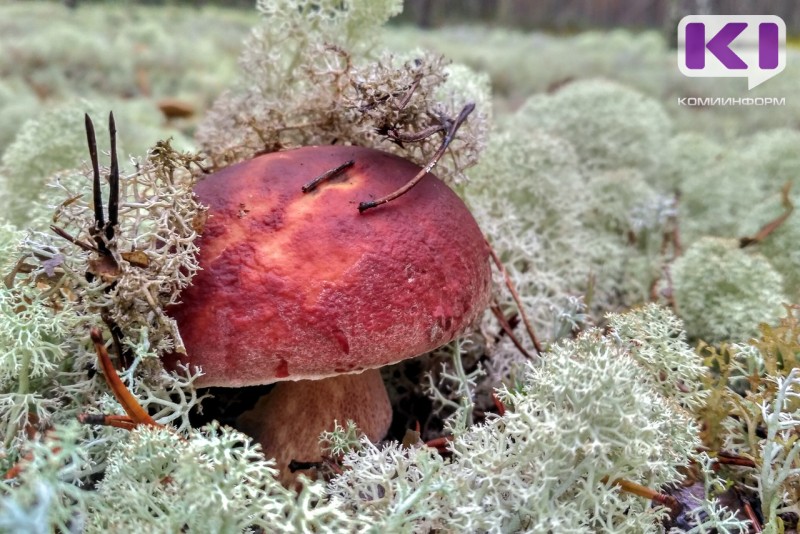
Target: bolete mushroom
(300, 288)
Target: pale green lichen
(655, 338)
(576, 194)
(331, 87)
(213, 480)
(610, 125)
(577, 420)
(34, 339)
(527, 194)
(723, 292)
(627, 223)
(780, 452)
(46, 495)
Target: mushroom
(300, 288)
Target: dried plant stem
(643, 491)
(327, 175)
(116, 421)
(97, 196)
(507, 329)
(770, 227)
(62, 233)
(751, 515)
(103, 232)
(733, 459)
(113, 181)
(515, 296)
(138, 415)
(415, 137)
(407, 97)
(452, 128)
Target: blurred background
(135, 57)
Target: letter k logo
(719, 45)
(732, 46)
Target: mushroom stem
(288, 420)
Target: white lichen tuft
(574, 423)
(610, 125)
(780, 452)
(655, 338)
(214, 479)
(723, 292)
(332, 87)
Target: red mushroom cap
(302, 286)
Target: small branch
(643, 491)
(62, 233)
(327, 175)
(410, 92)
(726, 458)
(453, 127)
(776, 223)
(513, 322)
(507, 329)
(116, 421)
(515, 296)
(751, 515)
(414, 137)
(20, 267)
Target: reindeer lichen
(331, 87)
(723, 292)
(578, 420)
(56, 287)
(582, 193)
(610, 126)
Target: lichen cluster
(753, 411)
(548, 463)
(312, 77)
(55, 290)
